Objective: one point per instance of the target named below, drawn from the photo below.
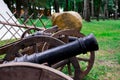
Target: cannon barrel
(54, 55)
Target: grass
(107, 62)
(3, 42)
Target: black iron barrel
(54, 55)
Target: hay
(67, 20)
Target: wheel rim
(31, 41)
(30, 31)
(30, 71)
(79, 72)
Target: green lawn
(107, 62)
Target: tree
(119, 8)
(97, 8)
(104, 9)
(86, 10)
(66, 7)
(116, 9)
(106, 13)
(74, 5)
(92, 8)
(18, 7)
(80, 7)
(56, 5)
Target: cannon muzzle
(54, 55)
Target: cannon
(61, 53)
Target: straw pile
(67, 20)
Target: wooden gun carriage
(44, 40)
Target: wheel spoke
(83, 59)
(45, 46)
(19, 54)
(59, 64)
(69, 69)
(35, 48)
(62, 67)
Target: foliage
(103, 8)
(111, 6)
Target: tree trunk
(103, 11)
(74, 5)
(56, 6)
(119, 8)
(26, 7)
(34, 11)
(98, 10)
(106, 13)
(92, 8)
(25, 13)
(30, 9)
(116, 9)
(49, 9)
(18, 8)
(87, 10)
(66, 6)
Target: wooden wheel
(82, 64)
(33, 30)
(30, 31)
(52, 29)
(30, 71)
(31, 45)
